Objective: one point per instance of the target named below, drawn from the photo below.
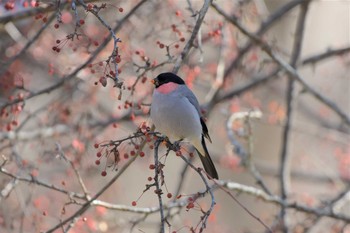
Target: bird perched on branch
(175, 112)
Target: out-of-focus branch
(220, 70)
(263, 28)
(318, 211)
(285, 156)
(41, 183)
(241, 188)
(325, 55)
(246, 157)
(27, 45)
(189, 45)
(74, 73)
(240, 90)
(29, 12)
(286, 67)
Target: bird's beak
(154, 82)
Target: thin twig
(159, 191)
(196, 28)
(325, 55)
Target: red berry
(149, 178)
(177, 46)
(58, 41)
(81, 22)
(142, 154)
(161, 46)
(97, 162)
(96, 145)
(152, 166)
(182, 39)
(56, 25)
(126, 156)
(118, 59)
(133, 203)
(132, 153)
(169, 195)
(99, 154)
(9, 6)
(190, 205)
(121, 9)
(89, 7)
(104, 173)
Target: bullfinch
(176, 113)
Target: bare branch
(195, 31)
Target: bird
(175, 112)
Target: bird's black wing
(205, 130)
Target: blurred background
(58, 103)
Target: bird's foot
(176, 145)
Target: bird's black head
(167, 78)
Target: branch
(28, 44)
(196, 28)
(112, 34)
(286, 67)
(158, 191)
(33, 180)
(87, 204)
(285, 156)
(263, 28)
(320, 211)
(329, 53)
(74, 73)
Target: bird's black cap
(167, 77)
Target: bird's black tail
(208, 164)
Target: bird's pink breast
(167, 88)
